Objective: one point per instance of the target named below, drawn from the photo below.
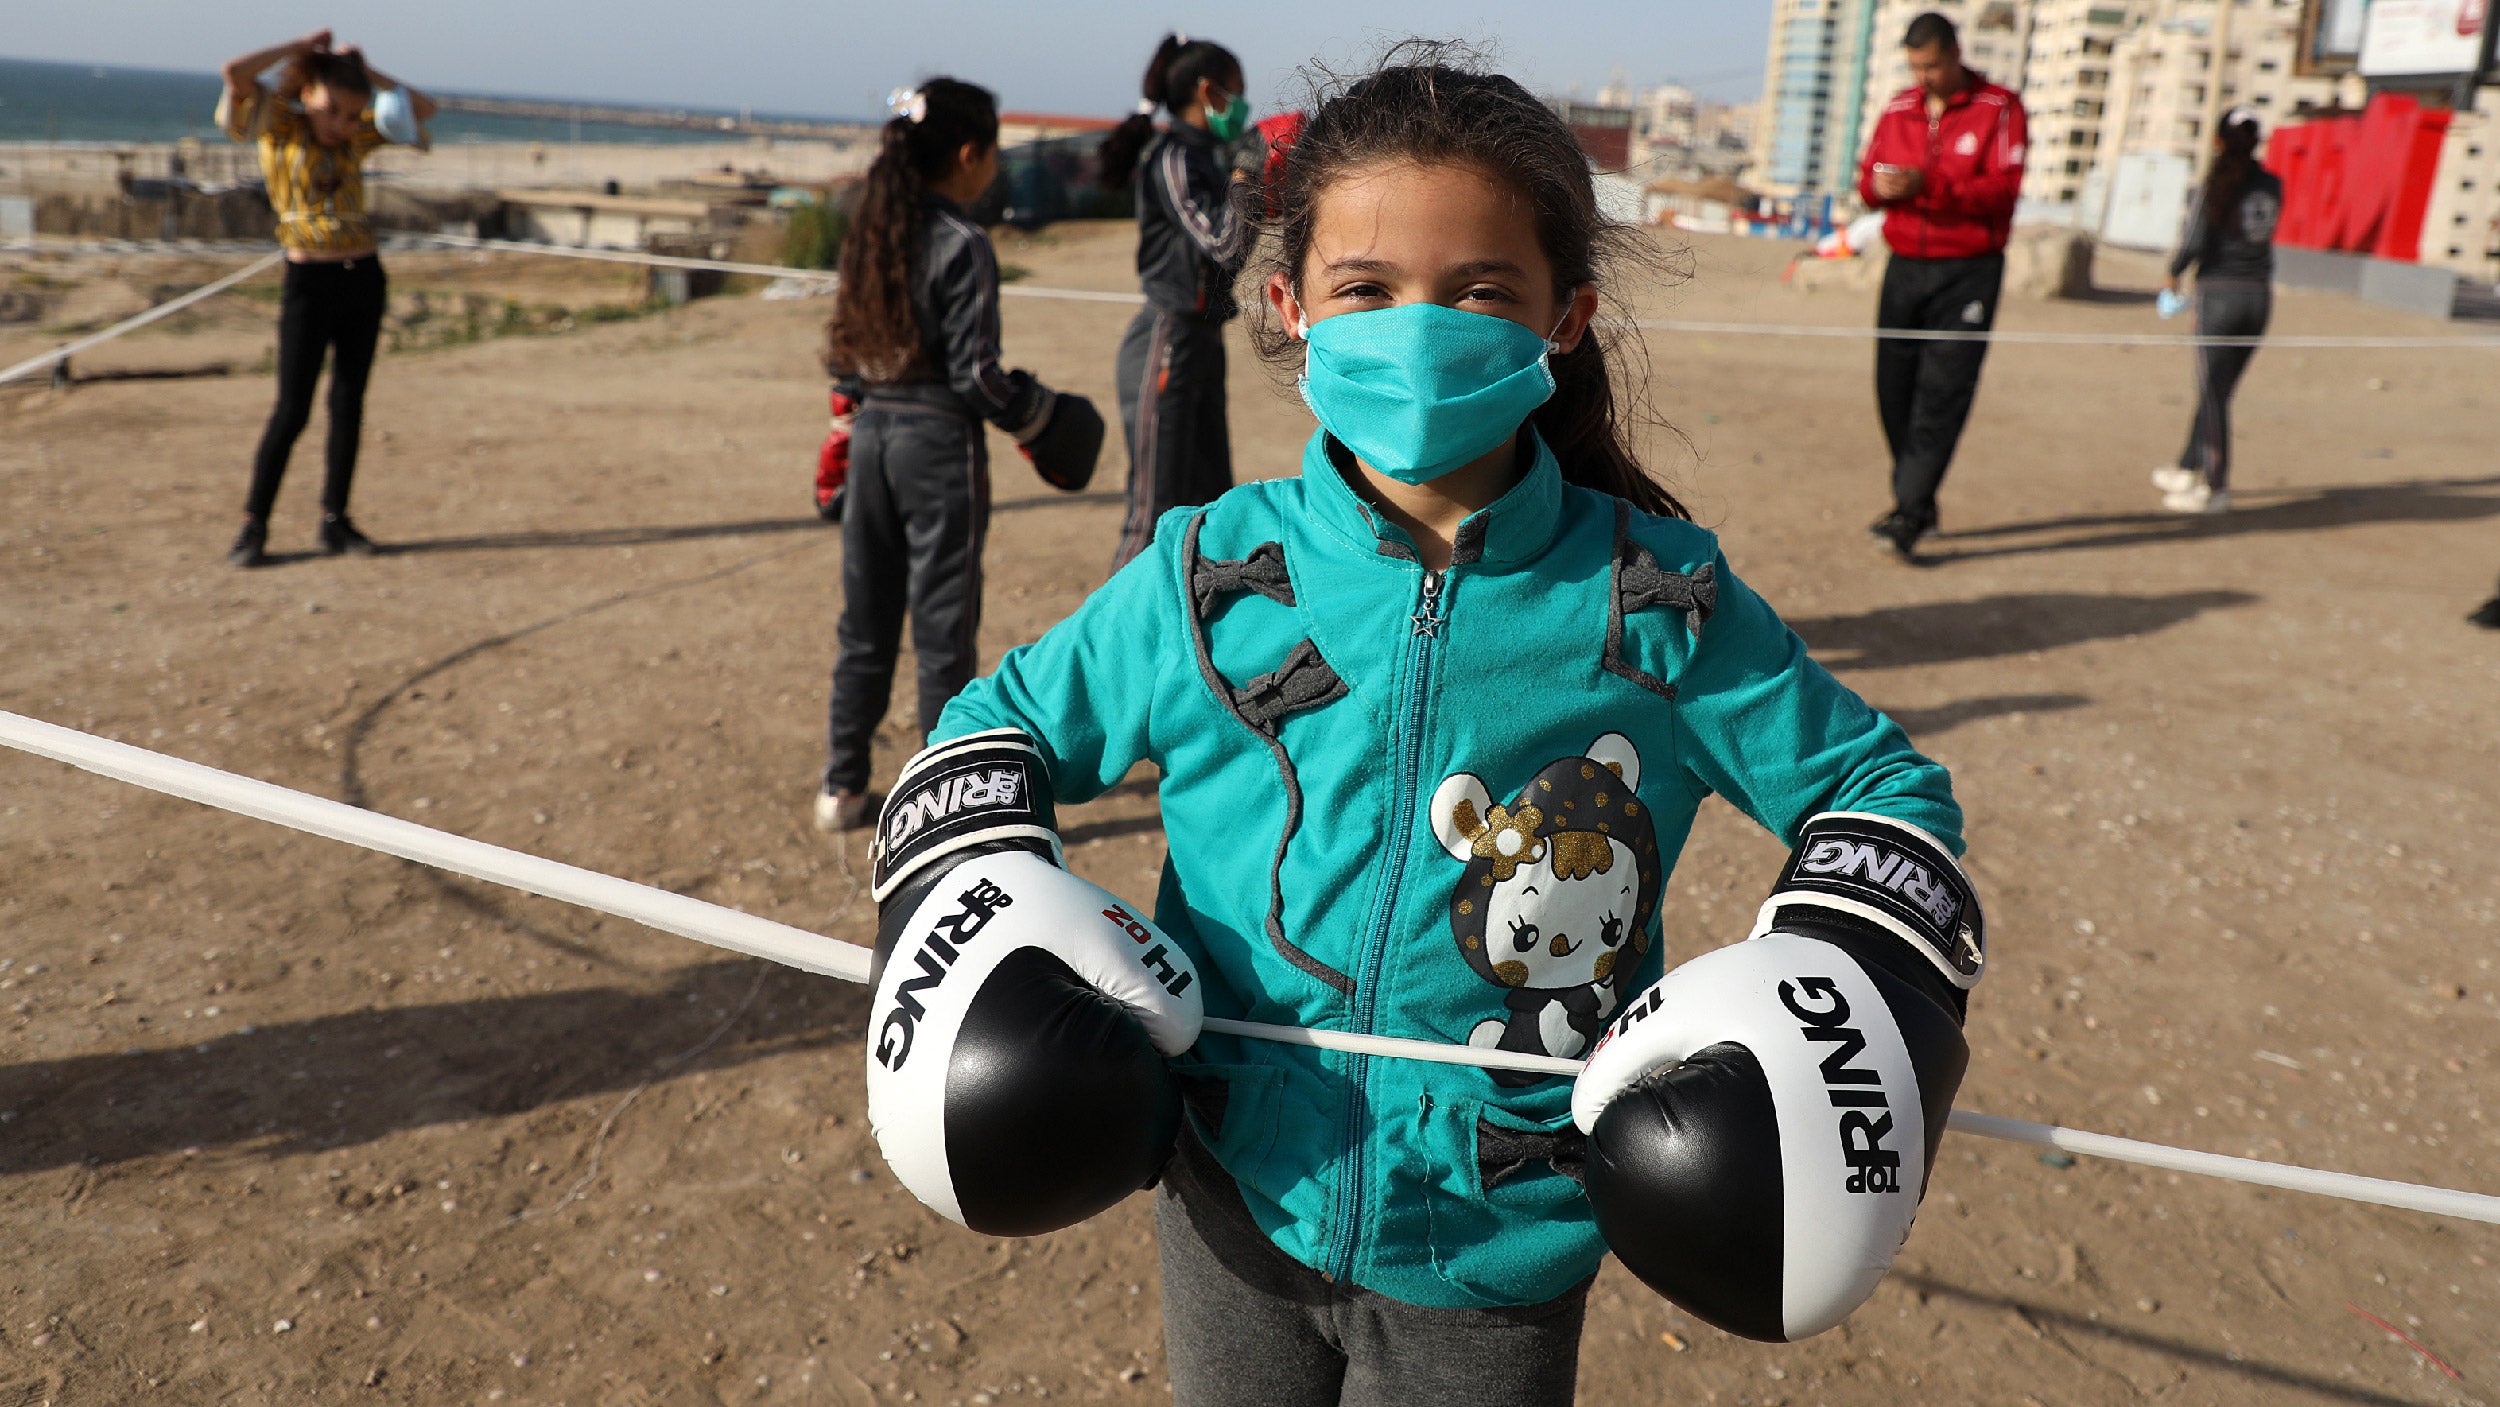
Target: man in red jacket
(1944, 165)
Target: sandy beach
(281, 1121)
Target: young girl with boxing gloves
(1193, 232)
(1432, 720)
(913, 346)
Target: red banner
(2359, 184)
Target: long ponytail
(873, 333)
(2234, 164)
(1179, 65)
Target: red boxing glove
(833, 460)
(1282, 130)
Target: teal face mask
(1419, 390)
(1228, 125)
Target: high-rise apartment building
(1812, 89)
(2461, 225)
(2163, 74)
(2067, 91)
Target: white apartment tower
(2461, 227)
(2068, 91)
(1805, 139)
(2163, 74)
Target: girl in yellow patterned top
(314, 131)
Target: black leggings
(914, 515)
(325, 305)
(1180, 450)
(2222, 310)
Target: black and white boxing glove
(1021, 1016)
(1762, 1121)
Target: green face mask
(1228, 124)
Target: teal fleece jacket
(1436, 805)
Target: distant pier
(676, 119)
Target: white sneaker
(844, 811)
(2170, 478)
(2196, 498)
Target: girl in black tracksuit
(914, 342)
(2229, 241)
(1192, 236)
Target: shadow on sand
(693, 532)
(2062, 1329)
(1927, 722)
(350, 1078)
(2253, 511)
(1943, 632)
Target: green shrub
(812, 238)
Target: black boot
(248, 544)
(1900, 532)
(340, 536)
(2488, 617)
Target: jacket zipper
(1935, 159)
(1430, 615)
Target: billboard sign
(2422, 38)
(2330, 36)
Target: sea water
(83, 103)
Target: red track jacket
(1973, 157)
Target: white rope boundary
(829, 957)
(165, 309)
(1683, 325)
(1687, 326)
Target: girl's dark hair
(873, 333)
(2233, 165)
(1180, 64)
(340, 73)
(1421, 106)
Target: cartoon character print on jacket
(1559, 883)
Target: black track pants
(917, 509)
(1924, 388)
(323, 306)
(1180, 450)
(2222, 310)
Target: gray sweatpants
(2222, 310)
(1180, 448)
(1248, 1326)
(914, 515)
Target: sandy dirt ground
(282, 1121)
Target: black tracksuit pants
(915, 513)
(322, 306)
(2222, 310)
(1180, 449)
(1924, 388)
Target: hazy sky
(839, 57)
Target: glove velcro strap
(960, 793)
(1849, 865)
(1032, 429)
